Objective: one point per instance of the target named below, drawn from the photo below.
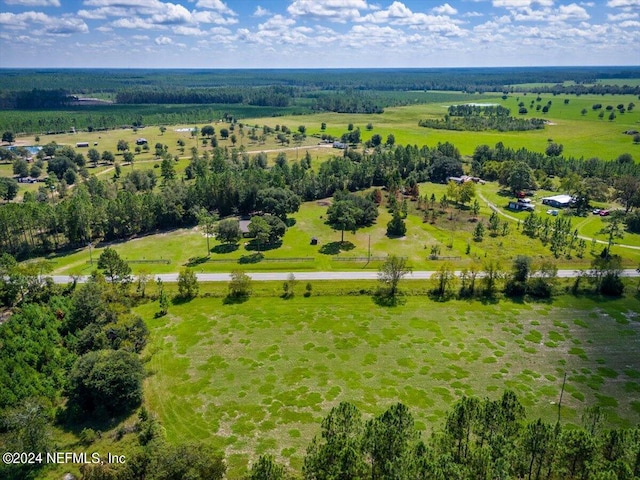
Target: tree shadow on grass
(253, 245)
(334, 248)
(195, 261)
(253, 258)
(178, 300)
(235, 299)
(290, 222)
(225, 248)
(382, 298)
(74, 421)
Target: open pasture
(259, 376)
(582, 135)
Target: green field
(258, 377)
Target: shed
(244, 227)
(82, 144)
(141, 141)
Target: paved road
(306, 276)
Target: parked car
(596, 211)
(553, 212)
(604, 213)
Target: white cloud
(134, 23)
(66, 26)
(521, 3)
(216, 5)
(277, 22)
(623, 3)
(332, 10)
(571, 12)
(261, 12)
(172, 15)
(139, 5)
(212, 17)
(445, 9)
(103, 13)
(220, 31)
(140, 37)
(48, 25)
(622, 16)
(473, 14)
(630, 24)
(163, 40)
(188, 31)
(34, 3)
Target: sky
(317, 33)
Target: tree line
(274, 96)
(461, 79)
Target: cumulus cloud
(521, 3)
(34, 3)
(213, 17)
(188, 31)
(48, 25)
(571, 12)
(623, 3)
(139, 5)
(445, 9)
(134, 24)
(66, 26)
(261, 12)
(277, 22)
(172, 15)
(162, 40)
(103, 13)
(332, 10)
(217, 5)
(399, 14)
(621, 16)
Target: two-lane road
(306, 276)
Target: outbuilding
(558, 201)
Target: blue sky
(317, 33)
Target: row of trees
(274, 96)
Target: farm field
(259, 376)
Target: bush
(539, 288)
(632, 221)
(611, 285)
(106, 381)
(88, 436)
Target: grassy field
(258, 377)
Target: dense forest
(321, 90)
(461, 79)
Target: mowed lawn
(258, 377)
